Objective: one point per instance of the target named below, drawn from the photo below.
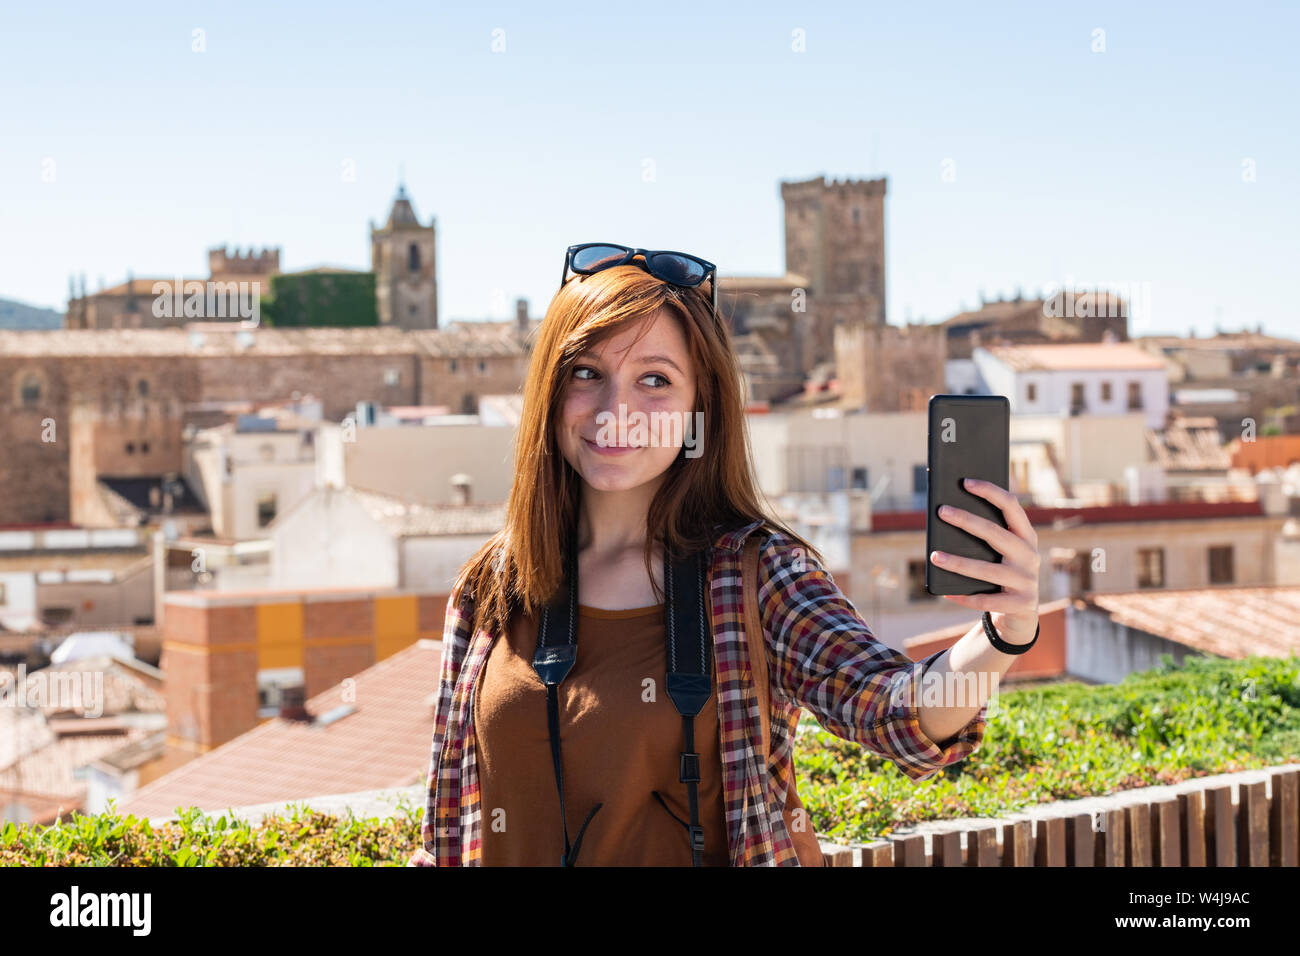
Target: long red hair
(521, 567)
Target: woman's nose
(614, 393)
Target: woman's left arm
(1013, 611)
(826, 659)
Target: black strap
(688, 681)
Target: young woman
(614, 477)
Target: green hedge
(321, 299)
(1055, 742)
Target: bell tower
(402, 256)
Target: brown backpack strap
(755, 639)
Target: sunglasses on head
(675, 267)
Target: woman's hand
(1014, 611)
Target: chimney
(521, 314)
(293, 703)
(461, 482)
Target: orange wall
(215, 643)
(1266, 451)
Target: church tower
(402, 257)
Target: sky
(1150, 149)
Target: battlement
(861, 187)
(224, 262)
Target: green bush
(321, 299)
(1054, 742)
(1065, 741)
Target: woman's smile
(613, 450)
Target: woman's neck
(612, 522)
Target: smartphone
(970, 437)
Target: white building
(1098, 378)
(349, 538)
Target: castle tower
(253, 266)
(402, 258)
(835, 237)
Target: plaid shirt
(824, 658)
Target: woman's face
(627, 409)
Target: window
(835, 478)
(1151, 567)
(920, 486)
(1083, 568)
(130, 448)
(265, 508)
(413, 257)
(272, 685)
(1031, 392)
(482, 366)
(392, 377)
(1076, 398)
(1105, 391)
(453, 365)
(57, 616)
(142, 387)
(1221, 564)
(860, 479)
(857, 215)
(1134, 396)
(144, 448)
(916, 590)
(412, 309)
(31, 392)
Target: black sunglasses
(675, 267)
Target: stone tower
(835, 238)
(402, 258)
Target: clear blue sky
(1123, 166)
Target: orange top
(620, 737)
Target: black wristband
(1002, 645)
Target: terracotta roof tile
(384, 743)
(1230, 622)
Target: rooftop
(1077, 356)
(1225, 621)
(382, 742)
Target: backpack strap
(757, 645)
(689, 674)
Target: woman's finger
(1017, 521)
(1005, 574)
(1001, 539)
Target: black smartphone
(970, 437)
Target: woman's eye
(665, 384)
(582, 368)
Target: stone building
(834, 275)
(403, 259)
(43, 374)
(130, 305)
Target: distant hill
(19, 315)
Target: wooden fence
(1200, 827)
